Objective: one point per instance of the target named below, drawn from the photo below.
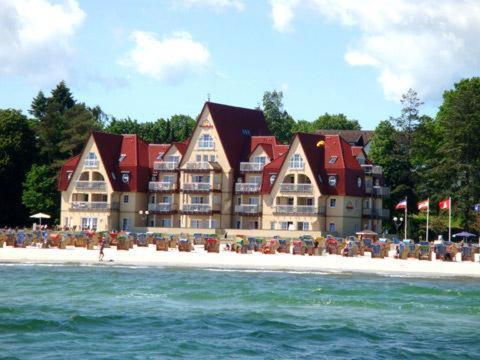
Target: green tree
(457, 171)
(39, 104)
(279, 122)
(17, 151)
(303, 126)
(335, 122)
(39, 190)
(181, 127)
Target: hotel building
(230, 174)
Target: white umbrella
(41, 216)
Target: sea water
(110, 312)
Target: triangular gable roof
(109, 146)
(270, 169)
(69, 165)
(154, 150)
(356, 137)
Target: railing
(247, 209)
(247, 187)
(197, 208)
(90, 185)
(94, 205)
(161, 207)
(381, 191)
(161, 186)
(299, 209)
(381, 213)
(366, 212)
(372, 169)
(197, 166)
(305, 188)
(196, 186)
(165, 165)
(251, 167)
(91, 163)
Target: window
(166, 223)
(255, 179)
(125, 199)
(125, 224)
(91, 160)
(200, 179)
(122, 157)
(290, 201)
(367, 204)
(332, 180)
(239, 201)
(216, 179)
(303, 225)
(195, 223)
(216, 199)
(253, 200)
(205, 158)
(197, 200)
(272, 178)
(333, 203)
(359, 182)
(69, 174)
(152, 199)
(125, 178)
(238, 224)
(173, 158)
(331, 227)
(356, 204)
(198, 158)
(296, 162)
(167, 199)
(206, 142)
(246, 132)
(272, 225)
(159, 155)
(169, 179)
(284, 225)
(113, 175)
(213, 224)
(260, 159)
(151, 222)
(213, 158)
(357, 228)
(88, 223)
(310, 202)
(333, 159)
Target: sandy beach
(142, 256)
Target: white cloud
(169, 59)
(217, 4)
(35, 37)
(282, 14)
(426, 45)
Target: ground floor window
(357, 227)
(166, 223)
(272, 225)
(89, 223)
(302, 225)
(239, 224)
(195, 223)
(125, 224)
(151, 222)
(331, 227)
(286, 225)
(213, 224)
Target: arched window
(91, 160)
(296, 162)
(206, 142)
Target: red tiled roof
(353, 137)
(270, 144)
(154, 150)
(358, 151)
(69, 165)
(270, 169)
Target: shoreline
(226, 260)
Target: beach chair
(10, 239)
(298, 247)
(440, 251)
(425, 251)
(468, 253)
(402, 251)
(161, 243)
(378, 250)
(20, 240)
(451, 251)
(367, 244)
(258, 244)
(122, 242)
(413, 250)
(142, 240)
(213, 245)
(172, 242)
(351, 249)
(184, 244)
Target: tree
(181, 127)
(39, 104)
(457, 170)
(17, 151)
(39, 190)
(335, 122)
(303, 126)
(409, 118)
(278, 120)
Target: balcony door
(88, 223)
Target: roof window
(333, 159)
(160, 155)
(246, 132)
(122, 157)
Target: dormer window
(359, 182)
(206, 142)
(246, 132)
(296, 162)
(333, 159)
(113, 175)
(332, 180)
(69, 174)
(159, 155)
(272, 178)
(122, 157)
(260, 160)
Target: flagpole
(428, 213)
(449, 219)
(406, 222)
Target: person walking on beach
(102, 246)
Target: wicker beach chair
(213, 244)
(425, 251)
(10, 239)
(331, 245)
(468, 253)
(122, 242)
(378, 250)
(283, 246)
(20, 240)
(161, 243)
(402, 251)
(142, 240)
(298, 247)
(184, 244)
(413, 250)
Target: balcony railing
(372, 169)
(251, 167)
(247, 209)
(165, 165)
(94, 205)
(197, 208)
(196, 186)
(90, 185)
(161, 186)
(161, 207)
(299, 209)
(381, 213)
(91, 163)
(247, 187)
(304, 188)
(197, 166)
(382, 191)
(367, 212)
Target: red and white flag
(401, 205)
(423, 205)
(444, 204)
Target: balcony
(251, 167)
(366, 212)
(158, 186)
(381, 214)
(298, 210)
(93, 206)
(196, 209)
(247, 188)
(91, 163)
(196, 187)
(90, 185)
(161, 207)
(165, 165)
(372, 170)
(381, 191)
(248, 209)
(197, 166)
(302, 188)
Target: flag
(476, 208)
(401, 205)
(444, 204)
(423, 205)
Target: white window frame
(206, 142)
(260, 159)
(296, 162)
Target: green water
(106, 312)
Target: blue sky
(148, 59)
